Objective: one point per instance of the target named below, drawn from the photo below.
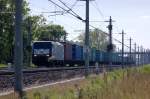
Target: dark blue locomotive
(51, 53)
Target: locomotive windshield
(42, 48)
(42, 45)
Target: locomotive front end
(41, 52)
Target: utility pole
(122, 49)
(18, 58)
(110, 45)
(65, 37)
(135, 53)
(118, 50)
(87, 38)
(146, 56)
(138, 56)
(141, 55)
(97, 35)
(148, 52)
(29, 43)
(86, 53)
(130, 49)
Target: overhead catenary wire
(62, 12)
(78, 17)
(73, 5)
(37, 8)
(100, 12)
(113, 37)
(69, 9)
(96, 6)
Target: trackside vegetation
(3, 65)
(133, 83)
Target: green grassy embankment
(120, 84)
(3, 65)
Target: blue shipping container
(77, 52)
(97, 58)
(92, 54)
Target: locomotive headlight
(47, 55)
(35, 55)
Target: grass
(3, 65)
(120, 84)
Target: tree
(50, 32)
(7, 18)
(31, 25)
(97, 38)
(38, 28)
(35, 22)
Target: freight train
(52, 53)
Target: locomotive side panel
(57, 51)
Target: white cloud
(145, 17)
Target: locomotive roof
(53, 42)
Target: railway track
(41, 76)
(6, 71)
(36, 70)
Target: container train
(52, 53)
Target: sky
(132, 16)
